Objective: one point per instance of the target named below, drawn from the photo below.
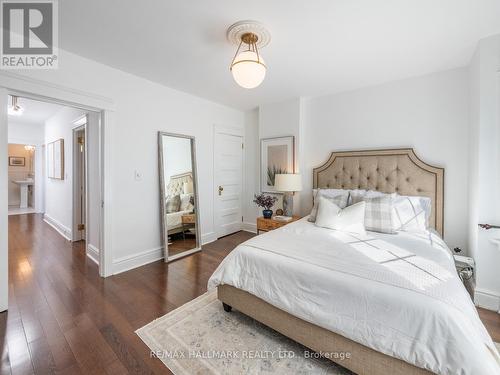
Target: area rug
(201, 338)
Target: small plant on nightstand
(266, 202)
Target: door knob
(220, 190)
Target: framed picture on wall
(17, 161)
(277, 156)
(55, 159)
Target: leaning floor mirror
(178, 195)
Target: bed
(392, 301)
(174, 187)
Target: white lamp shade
(248, 70)
(188, 188)
(288, 182)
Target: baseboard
(93, 253)
(487, 299)
(249, 227)
(149, 256)
(63, 230)
(133, 261)
(208, 237)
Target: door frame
(234, 131)
(79, 124)
(32, 88)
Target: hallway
(63, 318)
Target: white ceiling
(35, 112)
(318, 47)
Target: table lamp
(288, 184)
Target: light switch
(138, 175)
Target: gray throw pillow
(378, 212)
(173, 204)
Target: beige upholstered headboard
(387, 171)
(176, 184)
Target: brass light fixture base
(248, 31)
(249, 38)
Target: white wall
(4, 250)
(32, 134)
(428, 113)
(252, 160)
(59, 193)
(142, 109)
(279, 120)
(177, 156)
(484, 179)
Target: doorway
(228, 178)
(38, 91)
(79, 180)
(22, 187)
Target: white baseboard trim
(208, 237)
(63, 230)
(93, 253)
(145, 257)
(133, 261)
(487, 299)
(249, 227)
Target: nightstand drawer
(266, 225)
(188, 219)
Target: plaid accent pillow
(339, 197)
(173, 204)
(378, 212)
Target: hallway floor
(64, 319)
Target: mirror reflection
(179, 196)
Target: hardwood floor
(64, 319)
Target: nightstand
(465, 268)
(265, 225)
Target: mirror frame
(161, 168)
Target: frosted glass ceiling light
(248, 67)
(15, 109)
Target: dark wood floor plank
(65, 319)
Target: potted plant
(266, 202)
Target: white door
(228, 164)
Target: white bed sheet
(174, 219)
(403, 299)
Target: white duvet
(397, 294)
(174, 219)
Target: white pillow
(350, 219)
(185, 202)
(339, 196)
(411, 213)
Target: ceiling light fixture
(15, 109)
(248, 67)
(29, 148)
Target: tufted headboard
(176, 184)
(387, 171)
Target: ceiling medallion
(248, 67)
